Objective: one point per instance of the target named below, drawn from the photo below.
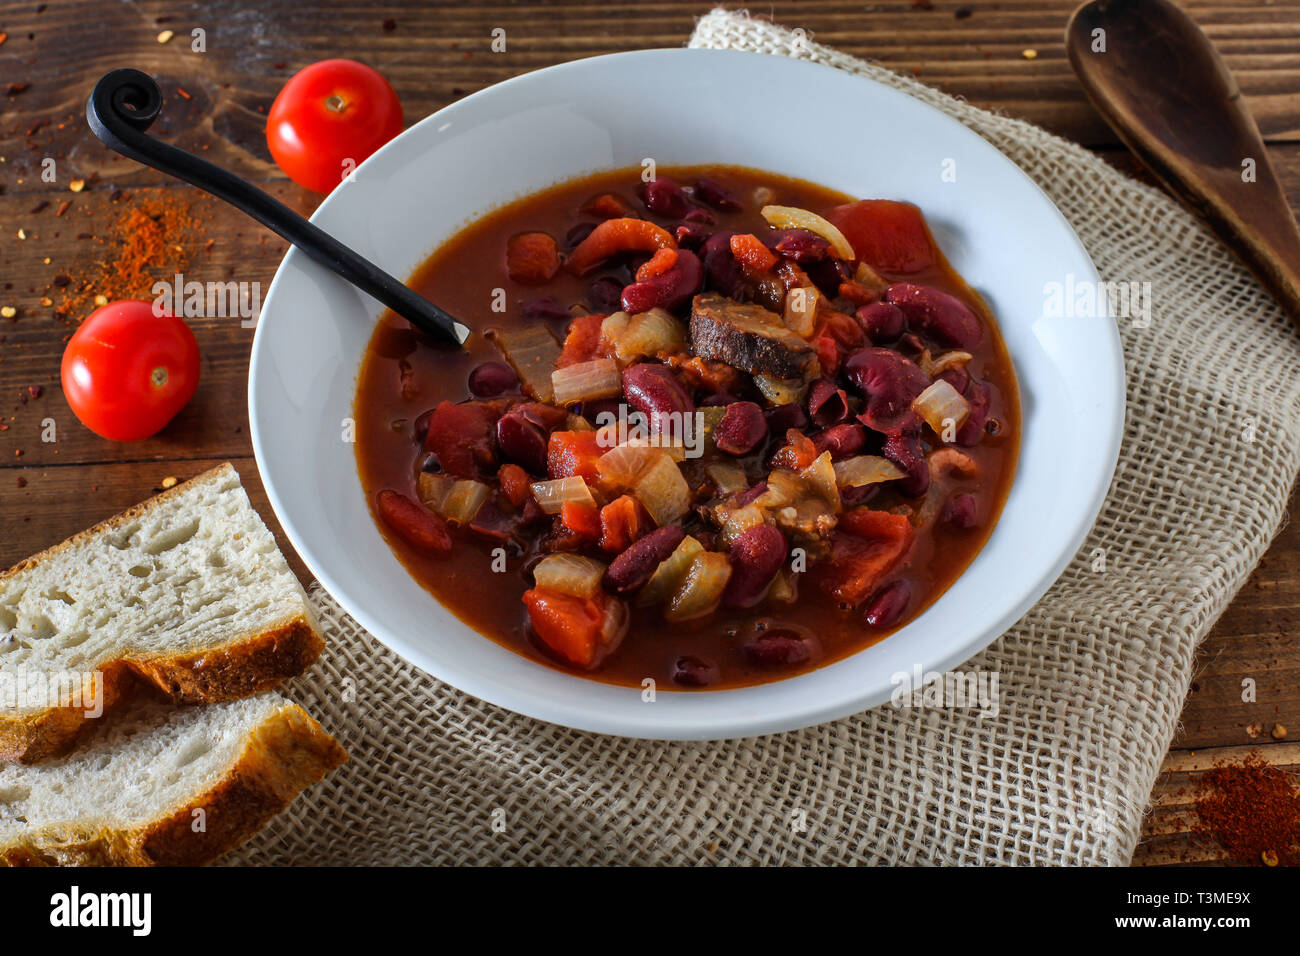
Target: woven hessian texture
(1092, 679)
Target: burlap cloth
(1092, 679)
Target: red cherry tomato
(328, 118)
(127, 372)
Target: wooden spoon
(1159, 82)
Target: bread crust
(284, 755)
(239, 668)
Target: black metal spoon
(124, 105)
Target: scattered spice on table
(1252, 810)
(147, 240)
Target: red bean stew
(719, 428)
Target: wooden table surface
(433, 55)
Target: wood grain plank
(57, 502)
(1168, 837)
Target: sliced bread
(186, 591)
(163, 785)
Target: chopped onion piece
(728, 479)
(789, 217)
(702, 588)
(465, 499)
(646, 333)
(624, 465)
(669, 575)
(933, 366)
(663, 490)
(820, 479)
(785, 587)
(866, 470)
(783, 488)
(576, 423)
(740, 521)
(779, 391)
(552, 495)
(940, 404)
(433, 490)
(569, 574)
(599, 378)
(532, 351)
(800, 309)
(670, 445)
(869, 278)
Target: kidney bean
(532, 513)
(797, 245)
(492, 378)
(578, 233)
(882, 322)
(592, 409)
(690, 671)
(910, 344)
(713, 193)
(960, 511)
(979, 395)
(751, 494)
(522, 441)
(431, 464)
(755, 555)
(784, 417)
(723, 272)
(669, 290)
(908, 454)
(779, 647)
(827, 405)
(663, 197)
(700, 216)
(654, 391)
(629, 572)
(957, 377)
(842, 441)
(691, 235)
(546, 417)
(887, 606)
(545, 307)
(416, 525)
(742, 428)
(717, 398)
(421, 426)
(855, 496)
(889, 382)
(943, 317)
(605, 295)
(828, 274)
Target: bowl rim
(808, 712)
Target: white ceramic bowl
(677, 106)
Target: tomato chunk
(574, 453)
(622, 521)
(532, 258)
(886, 235)
(515, 484)
(582, 343)
(462, 438)
(413, 523)
(582, 518)
(618, 235)
(656, 265)
(580, 630)
(752, 254)
(867, 546)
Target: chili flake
(1250, 809)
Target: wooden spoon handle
(1162, 86)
